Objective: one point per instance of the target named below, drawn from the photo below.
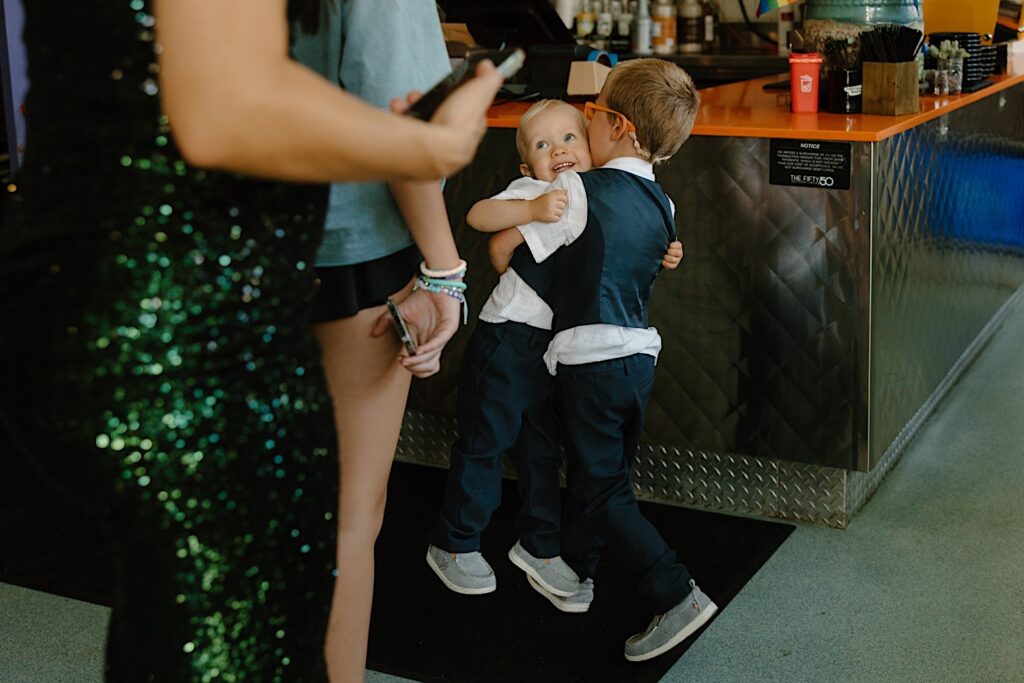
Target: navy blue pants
(602, 407)
(504, 404)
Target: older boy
(604, 253)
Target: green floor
(926, 585)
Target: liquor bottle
(585, 23)
(620, 40)
(709, 12)
(691, 26)
(605, 26)
(642, 29)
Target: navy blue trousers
(504, 404)
(602, 407)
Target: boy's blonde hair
(537, 108)
(660, 99)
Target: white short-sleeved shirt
(512, 300)
(587, 343)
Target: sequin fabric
(156, 364)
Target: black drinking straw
(890, 43)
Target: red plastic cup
(803, 81)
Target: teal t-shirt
(376, 50)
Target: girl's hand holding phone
(433, 319)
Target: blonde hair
(536, 109)
(660, 99)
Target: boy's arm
(492, 215)
(501, 246)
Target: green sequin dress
(156, 364)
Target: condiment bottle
(642, 29)
(663, 35)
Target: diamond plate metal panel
(426, 438)
(814, 494)
(731, 483)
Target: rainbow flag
(768, 5)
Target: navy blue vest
(537, 275)
(606, 275)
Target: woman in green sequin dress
(156, 365)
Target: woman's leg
(369, 389)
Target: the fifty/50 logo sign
(820, 180)
(810, 163)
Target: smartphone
(425, 107)
(403, 331)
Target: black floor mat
(423, 631)
(420, 629)
(48, 544)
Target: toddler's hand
(673, 256)
(550, 206)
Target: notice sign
(810, 163)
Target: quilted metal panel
(948, 241)
(762, 324)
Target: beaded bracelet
(456, 273)
(453, 288)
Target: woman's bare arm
(423, 208)
(238, 102)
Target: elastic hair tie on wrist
(454, 273)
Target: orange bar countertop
(746, 110)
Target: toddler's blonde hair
(537, 108)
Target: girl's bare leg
(369, 390)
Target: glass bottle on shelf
(663, 36)
(709, 18)
(642, 29)
(620, 40)
(585, 23)
(691, 26)
(604, 26)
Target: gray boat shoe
(673, 627)
(552, 573)
(465, 573)
(577, 603)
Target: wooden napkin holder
(890, 88)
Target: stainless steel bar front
(809, 331)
